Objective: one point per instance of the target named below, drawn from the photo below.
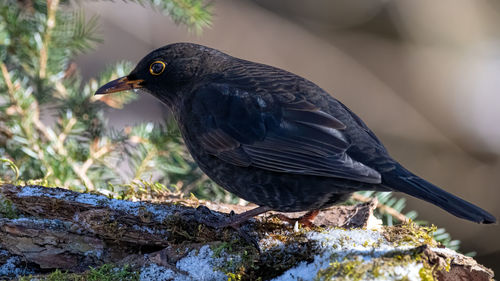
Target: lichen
(156, 272)
(155, 212)
(12, 265)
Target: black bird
(274, 138)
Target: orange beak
(118, 85)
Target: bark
(60, 229)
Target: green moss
(272, 261)
(448, 264)
(376, 271)
(106, 272)
(7, 209)
(426, 273)
(346, 270)
(353, 270)
(410, 233)
(233, 277)
(220, 248)
(54, 276)
(183, 231)
(236, 270)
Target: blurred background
(424, 75)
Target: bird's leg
(235, 220)
(305, 220)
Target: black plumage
(272, 137)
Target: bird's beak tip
(118, 85)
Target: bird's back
(270, 83)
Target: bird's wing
(293, 137)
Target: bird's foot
(235, 221)
(305, 220)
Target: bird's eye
(157, 67)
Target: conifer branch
(8, 82)
(195, 14)
(52, 6)
(41, 128)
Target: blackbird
(272, 137)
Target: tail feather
(403, 180)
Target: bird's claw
(214, 221)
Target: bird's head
(167, 71)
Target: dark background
(424, 75)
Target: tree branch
(383, 208)
(52, 6)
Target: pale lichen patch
(11, 266)
(199, 264)
(156, 212)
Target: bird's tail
(403, 180)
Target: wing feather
(294, 137)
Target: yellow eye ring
(157, 67)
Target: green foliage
(12, 168)
(195, 14)
(51, 124)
